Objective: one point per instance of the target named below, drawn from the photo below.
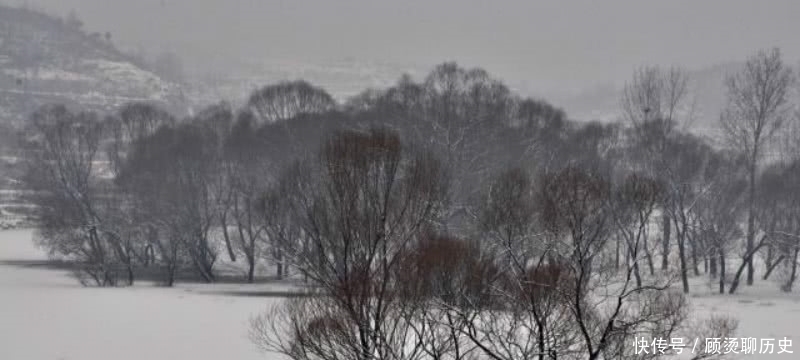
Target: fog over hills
(346, 47)
(554, 48)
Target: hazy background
(553, 46)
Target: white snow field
(763, 311)
(46, 315)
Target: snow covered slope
(45, 59)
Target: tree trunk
(684, 276)
(251, 258)
(682, 255)
(793, 276)
(647, 253)
(247, 246)
(768, 261)
(171, 269)
(735, 282)
(251, 269)
(694, 256)
(748, 258)
(279, 269)
(199, 255)
(204, 271)
(228, 246)
(170, 276)
(751, 218)
(712, 266)
(772, 266)
(169, 256)
(666, 227)
(721, 272)
(130, 275)
(146, 258)
(632, 255)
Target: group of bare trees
(555, 260)
(535, 278)
(142, 193)
(441, 219)
(558, 259)
(711, 191)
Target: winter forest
(443, 217)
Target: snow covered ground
(763, 311)
(46, 315)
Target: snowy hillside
(45, 59)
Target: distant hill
(45, 59)
(342, 78)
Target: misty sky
(555, 46)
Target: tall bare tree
(656, 103)
(719, 213)
(758, 105)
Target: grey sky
(553, 45)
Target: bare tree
(655, 103)
(286, 100)
(757, 108)
(170, 177)
(362, 212)
(685, 185)
(533, 319)
(63, 168)
(655, 93)
(247, 179)
(134, 121)
(719, 214)
(606, 307)
(540, 129)
(780, 201)
(462, 111)
(632, 209)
